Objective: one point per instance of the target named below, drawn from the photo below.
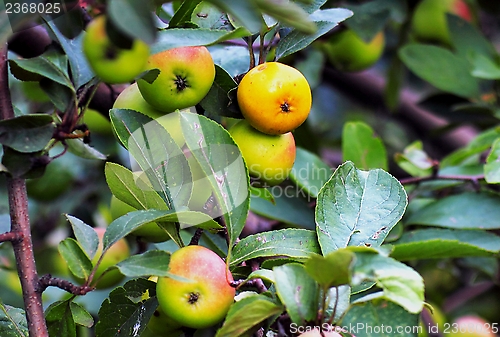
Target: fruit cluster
(274, 99)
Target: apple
(317, 333)
(347, 51)
(150, 232)
(131, 98)
(186, 75)
(115, 254)
(429, 22)
(470, 326)
(56, 180)
(96, 122)
(269, 158)
(203, 300)
(110, 63)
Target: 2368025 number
(33, 8)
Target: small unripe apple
(186, 76)
(150, 232)
(115, 254)
(269, 158)
(429, 23)
(96, 122)
(349, 52)
(204, 299)
(111, 63)
(56, 180)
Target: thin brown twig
(10, 236)
(49, 281)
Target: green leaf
(127, 223)
(80, 68)
(484, 67)
(61, 96)
(263, 274)
(206, 15)
(156, 153)
(183, 15)
(441, 68)
(369, 18)
(288, 207)
(362, 147)
(244, 12)
(263, 193)
(82, 150)
(50, 64)
(12, 321)
(462, 211)
(130, 189)
(399, 282)
(223, 166)
(124, 313)
(492, 167)
(81, 316)
(437, 243)
(133, 18)
(78, 262)
(325, 20)
(297, 291)
(28, 133)
(185, 37)
(415, 160)
(379, 318)
(246, 313)
(288, 13)
(358, 208)
(217, 102)
(153, 262)
(294, 243)
(465, 38)
(85, 235)
(60, 320)
(332, 270)
(309, 172)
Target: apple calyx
(285, 107)
(181, 83)
(193, 298)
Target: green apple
(186, 75)
(429, 22)
(131, 98)
(203, 300)
(96, 122)
(470, 326)
(349, 52)
(56, 180)
(115, 254)
(110, 63)
(269, 158)
(150, 232)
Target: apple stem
(196, 237)
(20, 223)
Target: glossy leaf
(134, 312)
(477, 145)
(309, 172)
(85, 235)
(12, 321)
(484, 67)
(366, 319)
(223, 166)
(358, 208)
(246, 313)
(28, 133)
(462, 211)
(78, 262)
(294, 243)
(152, 262)
(492, 167)
(297, 291)
(415, 160)
(288, 13)
(369, 18)
(183, 14)
(82, 150)
(362, 147)
(332, 270)
(400, 283)
(466, 37)
(441, 68)
(217, 102)
(60, 320)
(133, 18)
(437, 243)
(325, 21)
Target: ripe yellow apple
(186, 76)
(150, 232)
(269, 158)
(204, 300)
(109, 62)
(346, 51)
